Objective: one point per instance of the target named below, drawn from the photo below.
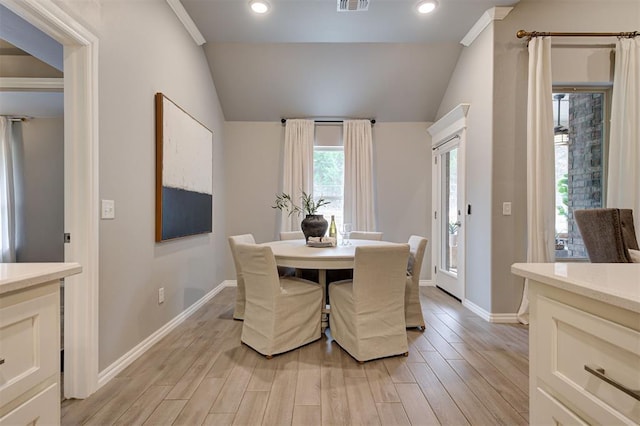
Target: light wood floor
(461, 370)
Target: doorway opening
(81, 206)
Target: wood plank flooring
(461, 370)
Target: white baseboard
(488, 316)
(427, 283)
(124, 361)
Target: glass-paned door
(449, 201)
(450, 209)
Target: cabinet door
(42, 409)
(551, 412)
(568, 341)
(29, 333)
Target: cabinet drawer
(569, 339)
(29, 344)
(552, 412)
(42, 409)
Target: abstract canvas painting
(184, 175)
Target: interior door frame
(451, 126)
(80, 186)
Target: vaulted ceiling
(305, 59)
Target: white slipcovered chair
(309, 274)
(367, 313)
(365, 235)
(238, 312)
(412, 307)
(291, 235)
(281, 313)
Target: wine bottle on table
(333, 232)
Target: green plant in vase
(313, 225)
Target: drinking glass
(345, 230)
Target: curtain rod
(372, 120)
(17, 117)
(531, 34)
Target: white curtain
(359, 201)
(623, 187)
(298, 166)
(540, 162)
(7, 200)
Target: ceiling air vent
(353, 5)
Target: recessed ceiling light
(427, 6)
(259, 6)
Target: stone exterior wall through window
(585, 160)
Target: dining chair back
(365, 235)
(608, 234)
(412, 306)
(308, 274)
(367, 313)
(291, 235)
(238, 312)
(281, 313)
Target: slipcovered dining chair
(412, 306)
(309, 274)
(291, 235)
(367, 313)
(238, 312)
(281, 313)
(608, 234)
(365, 235)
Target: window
(580, 158)
(328, 171)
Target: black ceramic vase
(314, 225)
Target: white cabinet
(30, 343)
(584, 346)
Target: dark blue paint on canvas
(185, 213)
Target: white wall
(492, 250)
(41, 225)
(144, 49)
(472, 82)
(402, 167)
(254, 151)
(574, 61)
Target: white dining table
(296, 254)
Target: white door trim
(81, 187)
(451, 126)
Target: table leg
(322, 280)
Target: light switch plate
(108, 209)
(506, 208)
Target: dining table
(297, 254)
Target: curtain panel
(359, 198)
(298, 166)
(540, 162)
(623, 173)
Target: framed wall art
(184, 175)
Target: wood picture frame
(184, 173)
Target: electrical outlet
(160, 295)
(108, 209)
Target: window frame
(340, 216)
(607, 91)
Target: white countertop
(615, 283)
(18, 276)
